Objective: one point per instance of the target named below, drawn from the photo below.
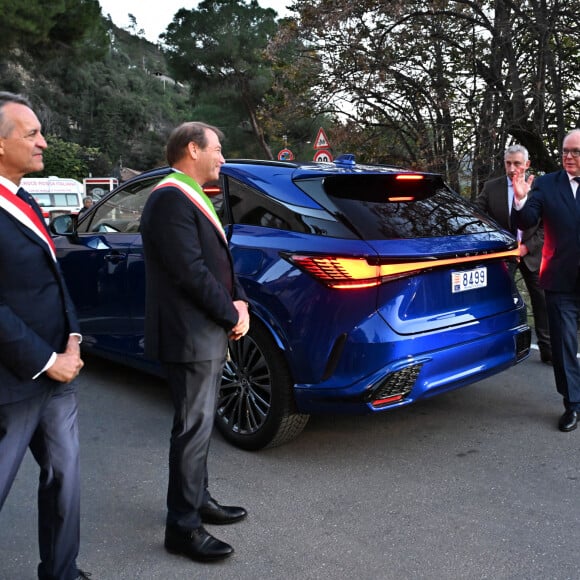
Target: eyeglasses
(574, 152)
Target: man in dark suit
(39, 350)
(194, 303)
(555, 198)
(495, 199)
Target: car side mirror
(63, 225)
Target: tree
(79, 25)
(450, 83)
(290, 110)
(40, 26)
(373, 71)
(219, 48)
(27, 25)
(70, 160)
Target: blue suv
(371, 287)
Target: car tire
(256, 406)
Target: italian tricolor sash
(21, 211)
(192, 190)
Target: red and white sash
(21, 211)
(188, 187)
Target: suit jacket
(493, 200)
(36, 312)
(190, 281)
(551, 199)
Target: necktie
(25, 197)
(512, 221)
(577, 180)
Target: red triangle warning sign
(321, 140)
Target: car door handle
(115, 257)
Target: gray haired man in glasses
(496, 200)
(555, 198)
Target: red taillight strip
(409, 177)
(390, 269)
(401, 198)
(349, 273)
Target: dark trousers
(563, 312)
(194, 388)
(47, 425)
(539, 308)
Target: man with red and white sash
(194, 303)
(39, 350)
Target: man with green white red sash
(194, 303)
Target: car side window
(120, 213)
(249, 206)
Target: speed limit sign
(323, 155)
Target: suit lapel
(565, 190)
(27, 219)
(500, 201)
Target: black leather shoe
(546, 357)
(196, 544)
(568, 421)
(214, 513)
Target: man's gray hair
(572, 132)
(512, 149)
(5, 98)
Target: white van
(55, 195)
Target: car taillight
(409, 177)
(405, 177)
(339, 272)
(401, 198)
(349, 273)
(211, 190)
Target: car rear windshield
(380, 206)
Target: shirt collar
(9, 185)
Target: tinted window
(384, 207)
(251, 207)
(121, 212)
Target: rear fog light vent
(395, 386)
(523, 342)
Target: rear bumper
(417, 377)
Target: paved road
(475, 484)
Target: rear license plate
(468, 279)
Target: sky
(154, 17)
